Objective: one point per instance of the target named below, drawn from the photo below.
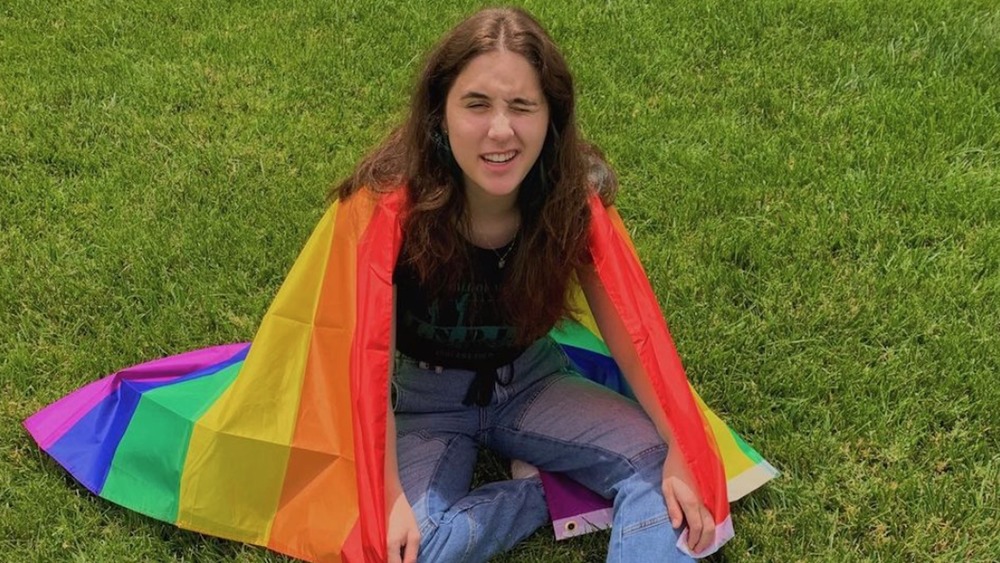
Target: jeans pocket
(402, 370)
(654, 522)
(393, 395)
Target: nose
(500, 128)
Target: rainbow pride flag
(281, 442)
(746, 470)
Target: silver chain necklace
(502, 260)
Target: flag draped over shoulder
(281, 442)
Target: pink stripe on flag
(49, 424)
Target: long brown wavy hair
(552, 199)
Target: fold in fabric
(281, 442)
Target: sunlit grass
(813, 187)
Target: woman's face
(496, 117)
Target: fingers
(707, 531)
(673, 507)
(692, 513)
(395, 550)
(412, 543)
(405, 550)
(700, 524)
(685, 506)
(701, 529)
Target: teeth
(500, 157)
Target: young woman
(497, 181)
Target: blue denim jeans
(544, 413)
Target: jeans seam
(471, 543)
(567, 363)
(466, 510)
(648, 451)
(583, 447)
(526, 407)
(432, 516)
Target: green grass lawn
(813, 186)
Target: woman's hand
(685, 504)
(403, 536)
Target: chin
(496, 188)
(500, 191)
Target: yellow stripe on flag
(733, 458)
(239, 449)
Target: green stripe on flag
(572, 333)
(745, 447)
(145, 474)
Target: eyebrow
(514, 101)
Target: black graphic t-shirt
(464, 329)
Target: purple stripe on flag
(143, 385)
(568, 498)
(49, 424)
(574, 509)
(87, 449)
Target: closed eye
(475, 100)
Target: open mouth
(499, 157)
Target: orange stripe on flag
(319, 501)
